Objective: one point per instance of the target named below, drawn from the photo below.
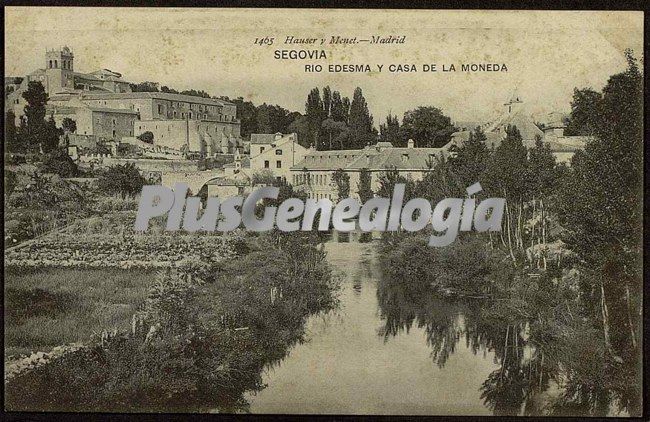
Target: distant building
(276, 152)
(58, 76)
(204, 126)
(100, 123)
(562, 147)
(314, 173)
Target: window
(278, 164)
(160, 108)
(114, 122)
(278, 152)
(266, 164)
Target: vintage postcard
(323, 211)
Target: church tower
(59, 69)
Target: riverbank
(201, 339)
(532, 318)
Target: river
(374, 355)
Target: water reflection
(514, 387)
(374, 354)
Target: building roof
(245, 163)
(239, 179)
(269, 138)
(560, 144)
(525, 125)
(155, 95)
(492, 139)
(113, 110)
(86, 76)
(374, 158)
(397, 158)
(328, 160)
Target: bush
(122, 179)
(59, 162)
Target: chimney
(411, 144)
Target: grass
(50, 307)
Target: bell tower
(59, 69)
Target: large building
(514, 114)
(275, 152)
(58, 76)
(314, 174)
(105, 109)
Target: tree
(601, 207)
(146, 86)
(389, 131)
(332, 129)
(300, 126)
(50, 136)
(342, 181)
(364, 187)
(33, 123)
(365, 193)
(36, 98)
(263, 177)
(122, 179)
(340, 107)
(315, 116)
(503, 176)
(59, 162)
(167, 89)
(11, 180)
(360, 122)
(585, 110)
(194, 93)
(327, 101)
(11, 132)
(69, 125)
(146, 137)
(427, 126)
(470, 159)
(247, 115)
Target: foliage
(360, 121)
(389, 131)
(342, 180)
(146, 137)
(69, 125)
(10, 182)
(585, 108)
(601, 208)
(145, 87)
(427, 126)
(59, 162)
(11, 139)
(122, 179)
(364, 187)
(263, 177)
(201, 340)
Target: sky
(547, 53)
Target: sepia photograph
(323, 211)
